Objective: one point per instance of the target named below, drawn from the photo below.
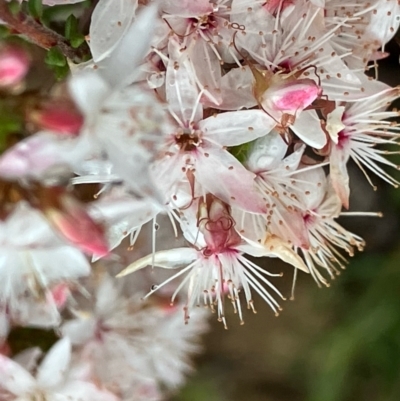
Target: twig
(39, 34)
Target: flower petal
(110, 21)
(14, 378)
(171, 259)
(223, 176)
(55, 364)
(308, 128)
(237, 127)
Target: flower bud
(14, 65)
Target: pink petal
(221, 174)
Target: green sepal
(54, 57)
(35, 8)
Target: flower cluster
(227, 122)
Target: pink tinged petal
(181, 90)
(109, 23)
(208, 70)
(289, 225)
(34, 155)
(307, 127)
(171, 259)
(237, 127)
(339, 174)
(291, 97)
(14, 65)
(273, 6)
(219, 173)
(14, 378)
(55, 365)
(236, 90)
(187, 8)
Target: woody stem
(39, 34)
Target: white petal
(180, 86)
(222, 175)
(110, 21)
(55, 364)
(307, 127)
(14, 378)
(89, 91)
(79, 331)
(171, 259)
(266, 153)
(120, 69)
(29, 358)
(237, 127)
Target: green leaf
(14, 7)
(71, 26)
(60, 72)
(240, 152)
(4, 32)
(54, 57)
(35, 8)
(77, 41)
(72, 33)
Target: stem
(39, 34)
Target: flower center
(204, 22)
(187, 141)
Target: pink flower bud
(291, 97)
(14, 65)
(59, 118)
(71, 219)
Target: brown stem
(39, 34)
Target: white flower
(53, 381)
(145, 341)
(33, 260)
(215, 264)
